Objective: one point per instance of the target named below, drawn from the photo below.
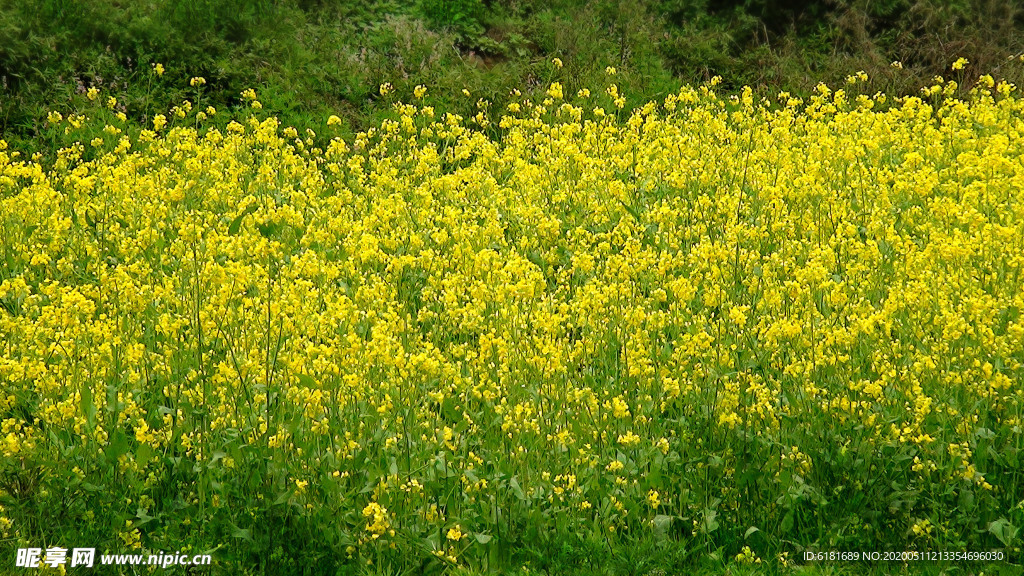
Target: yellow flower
(662, 445)
(197, 81)
(653, 498)
(922, 527)
(628, 439)
(92, 93)
(747, 556)
(738, 314)
(426, 279)
(960, 63)
(419, 91)
(620, 409)
(158, 69)
(377, 523)
(557, 62)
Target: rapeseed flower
(434, 319)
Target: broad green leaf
(243, 533)
(662, 523)
(143, 454)
(236, 224)
(516, 489)
(1003, 530)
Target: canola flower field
(713, 327)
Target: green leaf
(482, 538)
(710, 520)
(88, 407)
(536, 257)
(662, 523)
(243, 533)
(750, 531)
(787, 523)
(441, 465)
(632, 211)
(654, 476)
(58, 443)
(268, 230)
(118, 445)
(143, 516)
(516, 489)
(450, 411)
(236, 224)
(143, 454)
(1003, 530)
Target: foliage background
(313, 58)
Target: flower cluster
(724, 310)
